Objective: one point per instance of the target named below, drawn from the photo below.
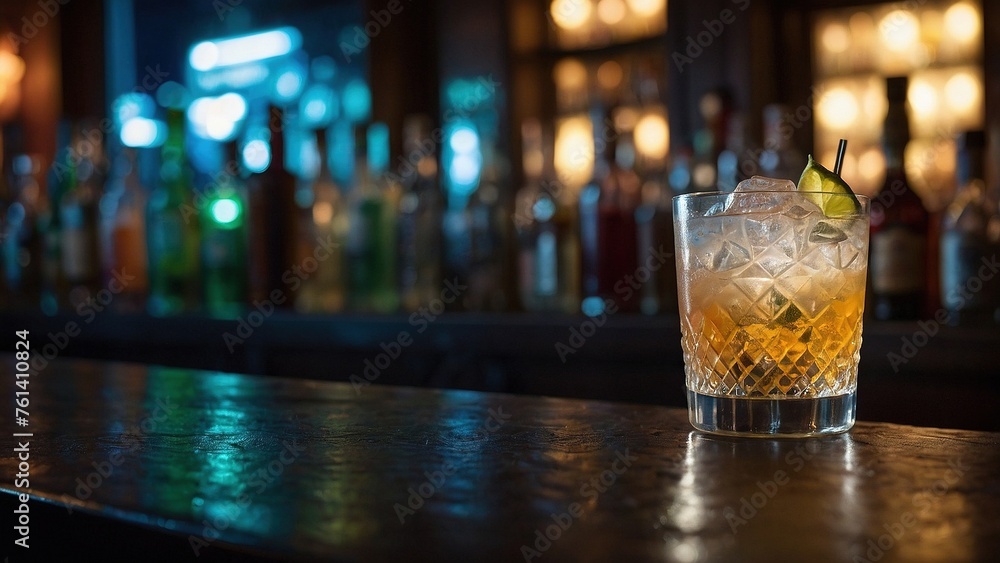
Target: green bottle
(79, 214)
(224, 263)
(60, 177)
(323, 225)
(172, 224)
(372, 235)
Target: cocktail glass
(771, 294)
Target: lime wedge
(816, 178)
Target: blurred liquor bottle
(656, 272)
(59, 178)
(607, 222)
(546, 221)
(968, 286)
(716, 109)
(899, 224)
(224, 239)
(488, 236)
(323, 227)
(455, 229)
(780, 158)
(271, 215)
(732, 164)
(79, 214)
(420, 213)
(21, 236)
(371, 245)
(123, 234)
(173, 229)
(679, 176)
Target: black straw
(841, 150)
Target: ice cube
(730, 256)
(800, 211)
(763, 183)
(746, 199)
(825, 233)
(717, 209)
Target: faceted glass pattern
(771, 295)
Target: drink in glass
(771, 293)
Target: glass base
(771, 418)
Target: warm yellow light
(871, 165)
(570, 14)
(427, 167)
(962, 92)
(611, 11)
(703, 174)
(11, 71)
(652, 138)
(574, 151)
(11, 68)
(835, 38)
(873, 102)
(322, 212)
(899, 30)
(625, 118)
(862, 26)
(961, 22)
(609, 75)
(838, 108)
(570, 75)
(848, 168)
(646, 8)
(923, 99)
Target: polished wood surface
(158, 464)
(629, 358)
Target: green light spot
(225, 211)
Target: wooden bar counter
(136, 463)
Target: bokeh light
(652, 137)
(835, 38)
(962, 22)
(570, 14)
(646, 8)
(838, 108)
(899, 30)
(574, 150)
